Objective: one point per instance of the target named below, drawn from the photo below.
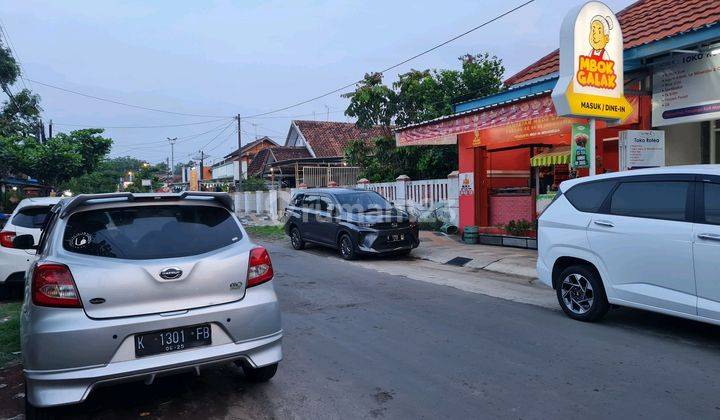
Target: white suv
(27, 218)
(648, 239)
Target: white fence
(429, 198)
(423, 196)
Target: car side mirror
(24, 242)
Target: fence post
(363, 183)
(272, 204)
(401, 184)
(246, 199)
(453, 197)
(259, 202)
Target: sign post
(591, 69)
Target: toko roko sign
(591, 65)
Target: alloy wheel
(577, 294)
(295, 238)
(346, 247)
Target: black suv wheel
(296, 239)
(347, 247)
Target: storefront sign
(641, 149)
(580, 153)
(687, 90)
(467, 183)
(591, 65)
(446, 131)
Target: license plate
(173, 339)
(396, 238)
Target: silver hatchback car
(132, 286)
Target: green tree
(418, 95)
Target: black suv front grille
(391, 225)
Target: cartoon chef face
(599, 34)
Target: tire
(347, 247)
(581, 294)
(296, 239)
(261, 374)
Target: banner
(580, 153)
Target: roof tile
(329, 138)
(642, 22)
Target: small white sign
(467, 183)
(641, 149)
(146, 183)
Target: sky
(217, 59)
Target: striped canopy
(557, 156)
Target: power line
(126, 104)
(487, 22)
(145, 145)
(216, 136)
(13, 52)
(225, 140)
(140, 126)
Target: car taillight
(259, 268)
(53, 285)
(6, 239)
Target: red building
(513, 147)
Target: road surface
(364, 344)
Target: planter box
(509, 241)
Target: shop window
(653, 200)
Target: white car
(27, 218)
(647, 239)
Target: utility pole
(200, 174)
(50, 130)
(172, 156)
(239, 132)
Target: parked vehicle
(648, 239)
(28, 218)
(351, 220)
(4, 219)
(130, 286)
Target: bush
(518, 227)
(253, 183)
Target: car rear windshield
(31, 217)
(150, 232)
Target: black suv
(353, 221)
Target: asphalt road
(361, 344)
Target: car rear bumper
(66, 354)
(52, 388)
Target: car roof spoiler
(80, 200)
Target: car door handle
(605, 223)
(709, 236)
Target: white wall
(682, 144)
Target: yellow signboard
(605, 107)
(591, 65)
